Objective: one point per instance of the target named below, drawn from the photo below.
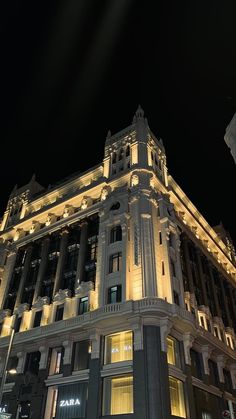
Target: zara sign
(70, 402)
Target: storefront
(67, 401)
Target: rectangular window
(173, 355)
(83, 305)
(37, 318)
(114, 294)
(196, 364)
(177, 398)
(81, 355)
(115, 262)
(162, 268)
(17, 324)
(32, 362)
(59, 313)
(56, 361)
(173, 268)
(160, 238)
(118, 347)
(54, 403)
(118, 395)
(116, 234)
(176, 298)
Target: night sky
(73, 69)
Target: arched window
(115, 206)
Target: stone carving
(40, 302)
(134, 180)
(61, 295)
(4, 313)
(86, 202)
(19, 234)
(68, 210)
(34, 227)
(105, 192)
(51, 218)
(84, 287)
(22, 307)
(230, 136)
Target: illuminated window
(115, 262)
(54, 403)
(118, 395)
(56, 361)
(173, 357)
(83, 305)
(118, 347)
(177, 397)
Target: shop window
(173, 355)
(83, 305)
(54, 394)
(11, 369)
(37, 318)
(32, 362)
(81, 355)
(59, 313)
(118, 347)
(116, 234)
(56, 361)
(114, 294)
(118, 395)
(177, 402)
(115, 262)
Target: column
(42, 267)
(202, 280)
(8, 271)
(214, 294)
(82, 252)
(94, 387)
(24, 276)
(225, 305)
(156, 375)
(61, 260)
(188, 267)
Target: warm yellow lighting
(177, 398)
(119, 347)
(12, 371)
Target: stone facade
(120, 294)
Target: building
(121, 294)
(230, 136)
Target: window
(227, 378)
(176, 298)
(114, 158)
(37, 318)
(116, 234)
(196, 364)
(162, 268)
(173, 356)
(173, 268)
(115, 206)
(17, 324)
(92, 248)
(114, 294)
(115, 262)
(127, 151)
(32, 362)
(214, 379)
(54, 403)
(118, 347)
(177, 397)
(59, 313)
(81, 355)
(83, 305)
(160, 237)
(56, 360)
(217, 332)
(118, 395)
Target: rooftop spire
(139, 114)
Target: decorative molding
(4, 313)
(21, 309)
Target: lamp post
(4, 376)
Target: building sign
(71, 401)
(3, 409)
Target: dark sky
(72, 69)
